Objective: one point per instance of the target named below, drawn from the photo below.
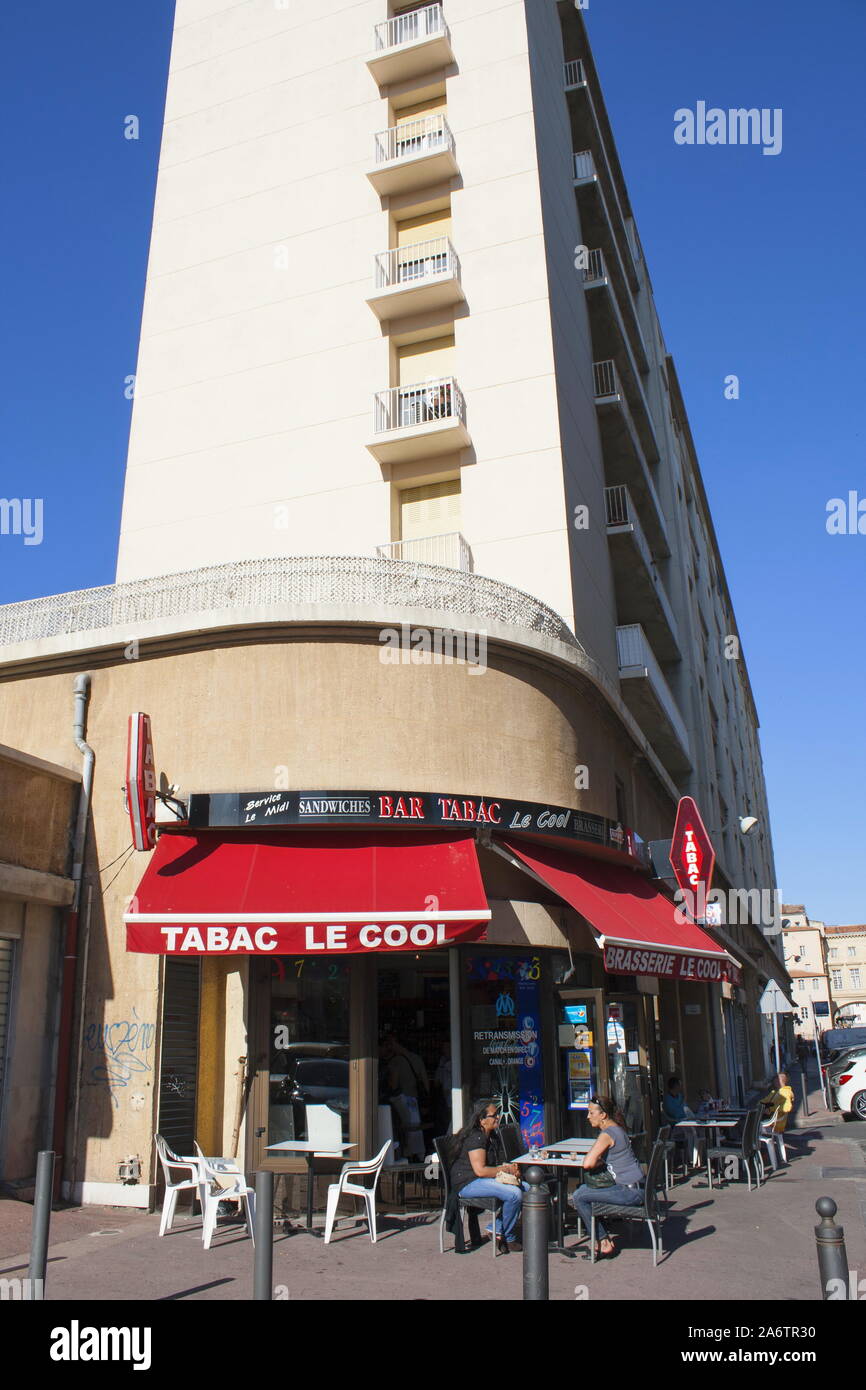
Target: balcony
(413, 279)
(649, 697)
(418, 421)
(610, 316)
(413, 154)
(451, 550)
(623, 451)
(410, 44)
(641, 596)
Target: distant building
(806, 963)
(846, 964)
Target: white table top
(570, 1146)
(572, 1160)
(304, 1146)
(705, 1124)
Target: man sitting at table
(675, 1109)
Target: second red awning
(638, 926)
(301, 892)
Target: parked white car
(849, 1088)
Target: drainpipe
(70, 942)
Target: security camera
(747, 823)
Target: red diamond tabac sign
(692, 855)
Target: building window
(855, 978)
(852, 952)
(836, 979)
(816, 985)
(621, 812)
(801, 985)
(833, 953)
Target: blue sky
(757, 266)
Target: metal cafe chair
(746, 1150)
(648, 1211)
(472, 1205)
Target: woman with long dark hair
(474, 1170)
(613, 1148)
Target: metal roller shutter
(7, 957)
(179, 1066)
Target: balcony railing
(596, 268)
(426, 403)
(426, 23)
(450, 549)
(283, 583)
(413, 139)
(573, 74)
(412, 265)
(584, 165)
(636, 655)
(605, 380)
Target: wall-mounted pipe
(70, 942)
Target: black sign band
(262, 809)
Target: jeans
(511, 1198)
(616, 1196)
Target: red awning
(298, 892)
(638, 927)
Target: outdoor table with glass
(715, 1122)
(310, 1152)
(564, 1157)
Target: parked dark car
(311, 1078)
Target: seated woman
(473, 1174)
(780, 1103)
(613, 1147)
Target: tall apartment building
(846, 966)
(401, 372)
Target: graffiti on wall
(120, 1053)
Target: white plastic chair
(773, 1140)
(170, 1160)
(371, 1168)
(214, 1191)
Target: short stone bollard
(832, 1257)
(536, 1217)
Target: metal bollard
(804, 1092)
(263, 1282)
(536, 1217)
(41, 1222)
(832, 1257)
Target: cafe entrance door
(627, 1051)
(582, 1069)
(413, 1030)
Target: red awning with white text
(305, 892)
(640, 930)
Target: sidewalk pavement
(725, 1245)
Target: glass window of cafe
(503, 997)
(309, 1043)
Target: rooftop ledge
(61, 630)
